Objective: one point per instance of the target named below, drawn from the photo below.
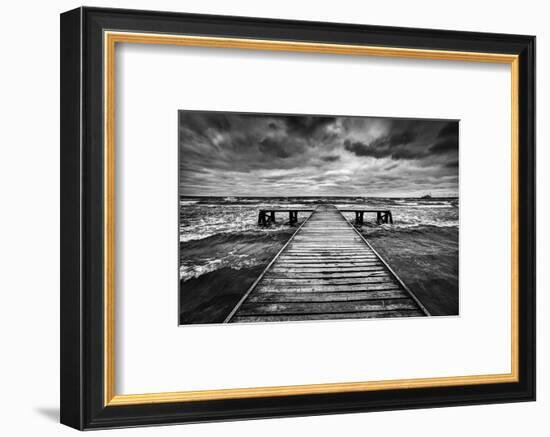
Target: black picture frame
(82, 214)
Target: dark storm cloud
(409, 144)
(361, 149)
(305, 126)
(389, 146)
(447, 140)
(279, 147)
(449, 130)
(254, 154)
(395, 140)
(444, 146)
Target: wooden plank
(352, 277)
(321, 264)
(370, 263)
(259, 308)
(310, 237)
(335, 281)
(316, 236)
(319, 233)
(335, 268)
(294, 268)
(328, 297)
(336, 230)
(327, 244)
(332, 235)
(313, 260)
(297, 268)
(331, 232)
(327, 275)
(329, 250)
(325, 288)
(324, 241)
(325, 229)
(320, 257)
(311, 317)
(330, 253)
(340, 316)
(316, 255)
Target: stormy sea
(223, 250)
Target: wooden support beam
(261, 218)
(267, 216)
(292, 217)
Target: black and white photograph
(284, 212)
(288, 218)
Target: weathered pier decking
(326, 270)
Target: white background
(152, 355)
(29, 231)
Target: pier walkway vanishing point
(327, 270)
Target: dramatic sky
(225, 154)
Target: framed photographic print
(270, 218)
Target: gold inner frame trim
(110, 40)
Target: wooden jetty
(267, 216)
(327, 270)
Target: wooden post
(261, 218)
(390, 217)
(378, 217)
(361, 217)
(292, 217)
(272, 218)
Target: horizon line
(371, 197)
